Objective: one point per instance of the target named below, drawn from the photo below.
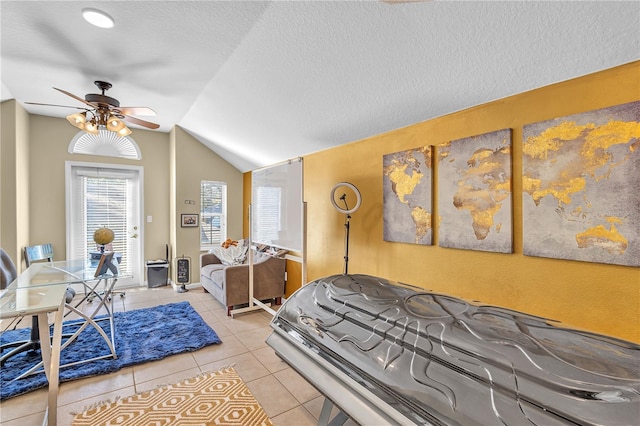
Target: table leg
(51, 359)
(45, 349)
(89, 320)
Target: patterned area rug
(218, 398)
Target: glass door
(106, 195)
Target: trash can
(157, 273)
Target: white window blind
(213, 213)
(269, 200)
(277, 206)
(100, 199)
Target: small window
(213, 213)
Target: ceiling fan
(104, 112)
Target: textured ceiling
(261, 82)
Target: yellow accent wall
(597, 297)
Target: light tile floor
(287, 398)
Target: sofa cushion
(208, 270)
(217, 277)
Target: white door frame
(69, 165)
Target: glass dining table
(41, 290)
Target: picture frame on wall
(189, 220)
(407, 178)
(580, 186)
(474, 189)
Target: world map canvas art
(474, 193)
(581, 186)
(407, 196)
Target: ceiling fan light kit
(100, 118)
(104, 112)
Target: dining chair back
(9, 274)
(38, 252)
(31, 254)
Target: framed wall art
(474, 193)
(580, 180)
(407, 196)
(189, 220)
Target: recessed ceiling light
(98, 18)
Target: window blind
(269, 199)
(213, 213)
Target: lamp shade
(125, 131)
(90, 127)
(78, 120)
(114, 124)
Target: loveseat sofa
(229, 283)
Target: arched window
(105, 143)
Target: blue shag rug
(141, 335)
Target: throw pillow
(232, 255)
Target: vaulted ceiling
(261, 82)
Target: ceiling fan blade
(139, 122)
(76, 98)
(54, 105)
(136, 111)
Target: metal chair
(37, 253)
(44, 252)
(8, 269)
(9, 274)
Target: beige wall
(598, 297)
(36, 153)
(194, 163)
(49, 141)
(14, 179)
(7, 177)
(23, 177)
